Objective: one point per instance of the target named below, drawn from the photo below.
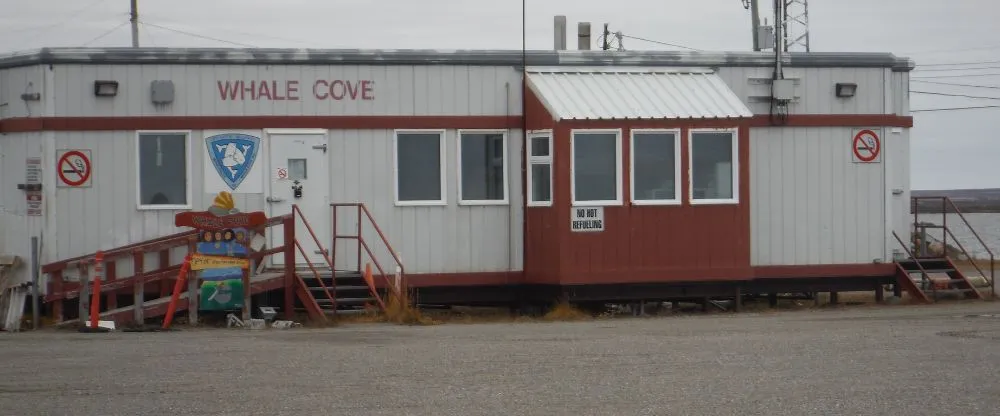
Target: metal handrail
(362, 244)
(297, 210)
(945, 202)
(924, 276)
(333, 299)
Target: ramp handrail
(924, 276)
(362, 213)
(946, 202)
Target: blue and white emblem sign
(232, 156)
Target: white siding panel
(397, 90)
(815, 91)
(901, 93)
(16, 227)
(430, 239)
(811, 204)
(17, 81)
(897, 159)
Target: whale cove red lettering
(275, 90)
(266, 90)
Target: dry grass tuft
(564, 311)
(399, 310)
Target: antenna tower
(795, 26)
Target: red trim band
(20, 125)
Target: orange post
(178, 286)
(95, 296)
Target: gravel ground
(928, 360)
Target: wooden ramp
(158, 307)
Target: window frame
(506, 168)
(678, 193)
(188, 185)
(735, 140)
(442, 148)
(618, 201)
(539, 160)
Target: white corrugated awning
(610, 93)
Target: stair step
(930, 271)
(338, 288)
(346, 301)
(948, 291)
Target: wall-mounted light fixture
(105, 88)
(846, 89)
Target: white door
(300, 175)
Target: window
(296, 169)
(163, 170)
(714, 166)
(540, 169)
(656, 171)
(596, 167)
(419, 160)
(482, 176)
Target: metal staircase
(937, 276)
(928, 275)
(351, 293)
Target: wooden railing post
(56, 287)
(194, 298)
(164, 260)
(138, 286)
(110, 275)
(83, 308)
(95, 301)
(288, 225)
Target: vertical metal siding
(398, 90)
(816, 89)
(896, 156)
(13, 83)
(810, 203)
(430, 239)
(16, 228)
(900, 84)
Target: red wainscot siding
(543, 228)
(639, 243)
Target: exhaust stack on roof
(583, 36)
(560, 33)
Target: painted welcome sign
(294, 90)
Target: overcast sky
(951, 149)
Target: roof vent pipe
(583, 36)
(560, 33)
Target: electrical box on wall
(765, 37)
(162, 91)
(783, 89)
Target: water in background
(987, 225)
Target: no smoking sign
(866, 147)
(74, 168)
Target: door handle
(272, 199)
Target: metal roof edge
(207, 56)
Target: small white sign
(586, 219)
(281, 173)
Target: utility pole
(605, 45)
(134, 18)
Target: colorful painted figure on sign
(220, 260)
(222, 288)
